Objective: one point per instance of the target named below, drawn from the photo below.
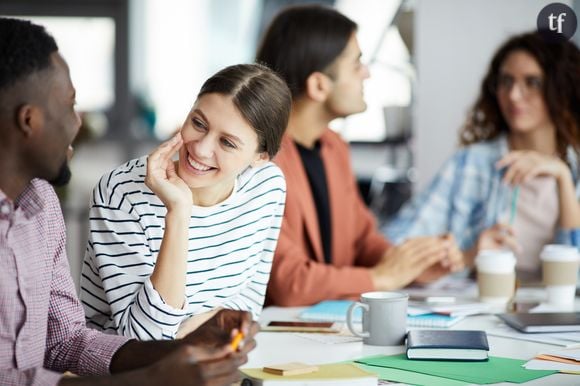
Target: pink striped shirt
(42, 324)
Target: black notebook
(459, 345)
(543, 322)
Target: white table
(277, 347)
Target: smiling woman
(170, 239)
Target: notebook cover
(447, 344)
(543, 322)
(467, 339)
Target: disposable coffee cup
(559, 273)
(384, 318)
(496, 276)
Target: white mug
(384, 318)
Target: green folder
(410, 377)
(495, 370)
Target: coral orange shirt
(299, 275)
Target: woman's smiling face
(219, 144)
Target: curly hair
(560, 63)
(25, 48)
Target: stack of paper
(454, 309)
(565, 361)
(336, 310)
(432, 320)
(564, 339)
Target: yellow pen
(236, 341)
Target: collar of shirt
(29, 202)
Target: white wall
(455, 40)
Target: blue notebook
(335, 311)
(462, 345)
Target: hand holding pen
(223, 328)
(242, 337)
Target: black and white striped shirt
(231, 247)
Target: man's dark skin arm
(203, 357)
(186, 365)
(138, 354)
(214, 333)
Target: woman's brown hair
(260, 95)
(560, 63)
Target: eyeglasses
(529, 86)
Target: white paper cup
(496, 277)
(560, 273)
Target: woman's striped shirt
(230, 253)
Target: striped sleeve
(116, 291)
(273, 191)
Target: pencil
(236, 341)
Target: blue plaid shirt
(467, 197)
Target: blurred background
(138, 65)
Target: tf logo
(557, 22)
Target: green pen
(515, 194)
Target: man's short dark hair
(302, 40)
(25, 48)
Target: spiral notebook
(335, 311)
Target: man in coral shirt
(329, 245)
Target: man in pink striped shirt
(42, 324)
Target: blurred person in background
(514, 183)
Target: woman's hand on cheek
(162, 176)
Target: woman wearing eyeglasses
(515, 182)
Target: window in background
(87, 44)
(380, 136)
(388, 92)
(181, 45)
